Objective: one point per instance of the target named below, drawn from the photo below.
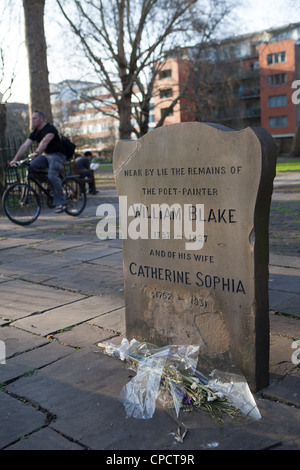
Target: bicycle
(22, 203)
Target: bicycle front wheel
(21, 204)
(75, 196)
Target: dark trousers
(54, 162)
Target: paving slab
(20, 255)
(20, 272)
(280, 357)
(69, 315)
(20, 298)
(90, 279)
(115, 242)
(89, 252)
(10, 242)
(115, 259)
(10, 230)
(82, 336)
(38, 268)
(287, 281)
(92, 383)
(33, 360)
(282, 196)
(4, 278)
(56, 245)
(277, 298)
(284, 261)
(285, 326)
(284, 294)
(47, 263)
(287, 178)
(286, 391)
(241, 434)
(18, 341)
(17, 419)
(80, 390)
(113, 321)
(290, 306)
(45, 439)
(280, 423)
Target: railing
(9, 175)
(8, 149)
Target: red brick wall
(287, 67)
(184, 108)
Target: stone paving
(61, 292)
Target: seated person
(83, 163)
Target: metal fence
(8, 175)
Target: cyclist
(49, 144)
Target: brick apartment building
(278, 62)
(170, 83)
(238, 82)
(82, 110)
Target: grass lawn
(288, 165)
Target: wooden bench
(85, 179)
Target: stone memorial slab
(21, 299)
(11, 242)
(32, 360)
(45, 439)
(69, 315)
(84, 335)
(90, 279)
(17, 419)
(18, 341)
(194, 210)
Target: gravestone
(205, 287)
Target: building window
(254, 65)
(274, 101)
(163, 110)
(277, 79)
(278, 121)
(276, 58)
(165, 74)
(166, 93)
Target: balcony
(248, 93)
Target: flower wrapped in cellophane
(170, 373)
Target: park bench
(85, 179)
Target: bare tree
(37, 57)
(126, 42)
(5, 93)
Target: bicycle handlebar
(24, 162)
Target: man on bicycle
(49, 144)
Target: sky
(256, 15)
(252, 15)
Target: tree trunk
(125, 127)
(295, 150)
(2, 135)
(144, 125)
(37, 57)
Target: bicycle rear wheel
(21, 204)
(75, 196)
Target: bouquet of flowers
(170, 373)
